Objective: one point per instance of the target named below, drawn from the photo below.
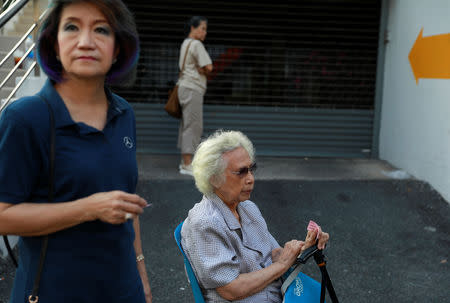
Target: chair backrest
(198, 296)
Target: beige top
(196, 57)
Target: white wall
(415, 118)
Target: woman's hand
(205, 70)
(289, 253)
(201, 71)
(247, 284)
(113, 207)
(323, 240)
(276, 252)
(311, 239)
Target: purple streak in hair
(127, 66)
(51, 72)
(49, 65)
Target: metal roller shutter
(298, 77)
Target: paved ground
(390, 238)
(157, 167)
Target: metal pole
(11, 11)
(326, 281)
(36, 15)
(382, 41)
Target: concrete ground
(157, 167)
(389, 236)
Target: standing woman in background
(192, 88)
(94, 247)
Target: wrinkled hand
(289, 253)
(311, 239)
(112, 207)
(276, 252)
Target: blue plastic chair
(192, 279)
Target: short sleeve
(201, 54)
(20, 158)
(211, 254)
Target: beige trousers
(191, 124)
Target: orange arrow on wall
(430, 57)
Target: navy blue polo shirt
(93, 261)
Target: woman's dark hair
(195, 22)
(123, 25)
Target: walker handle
(308, 253)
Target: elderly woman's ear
(215, 181)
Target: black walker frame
(319, 257)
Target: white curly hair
(208, 162)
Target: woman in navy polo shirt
(94, 250)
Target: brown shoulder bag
(172, 106)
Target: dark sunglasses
(244, 171)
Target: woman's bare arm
(36, 219)
(141, 264)
(251, 283)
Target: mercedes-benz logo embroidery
(128, 142)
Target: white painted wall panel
(415, 119)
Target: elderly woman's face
(237, 188)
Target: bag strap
(10, 252)
(184, 60)
(290, 278)
(34, 298)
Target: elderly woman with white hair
(225, 237)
